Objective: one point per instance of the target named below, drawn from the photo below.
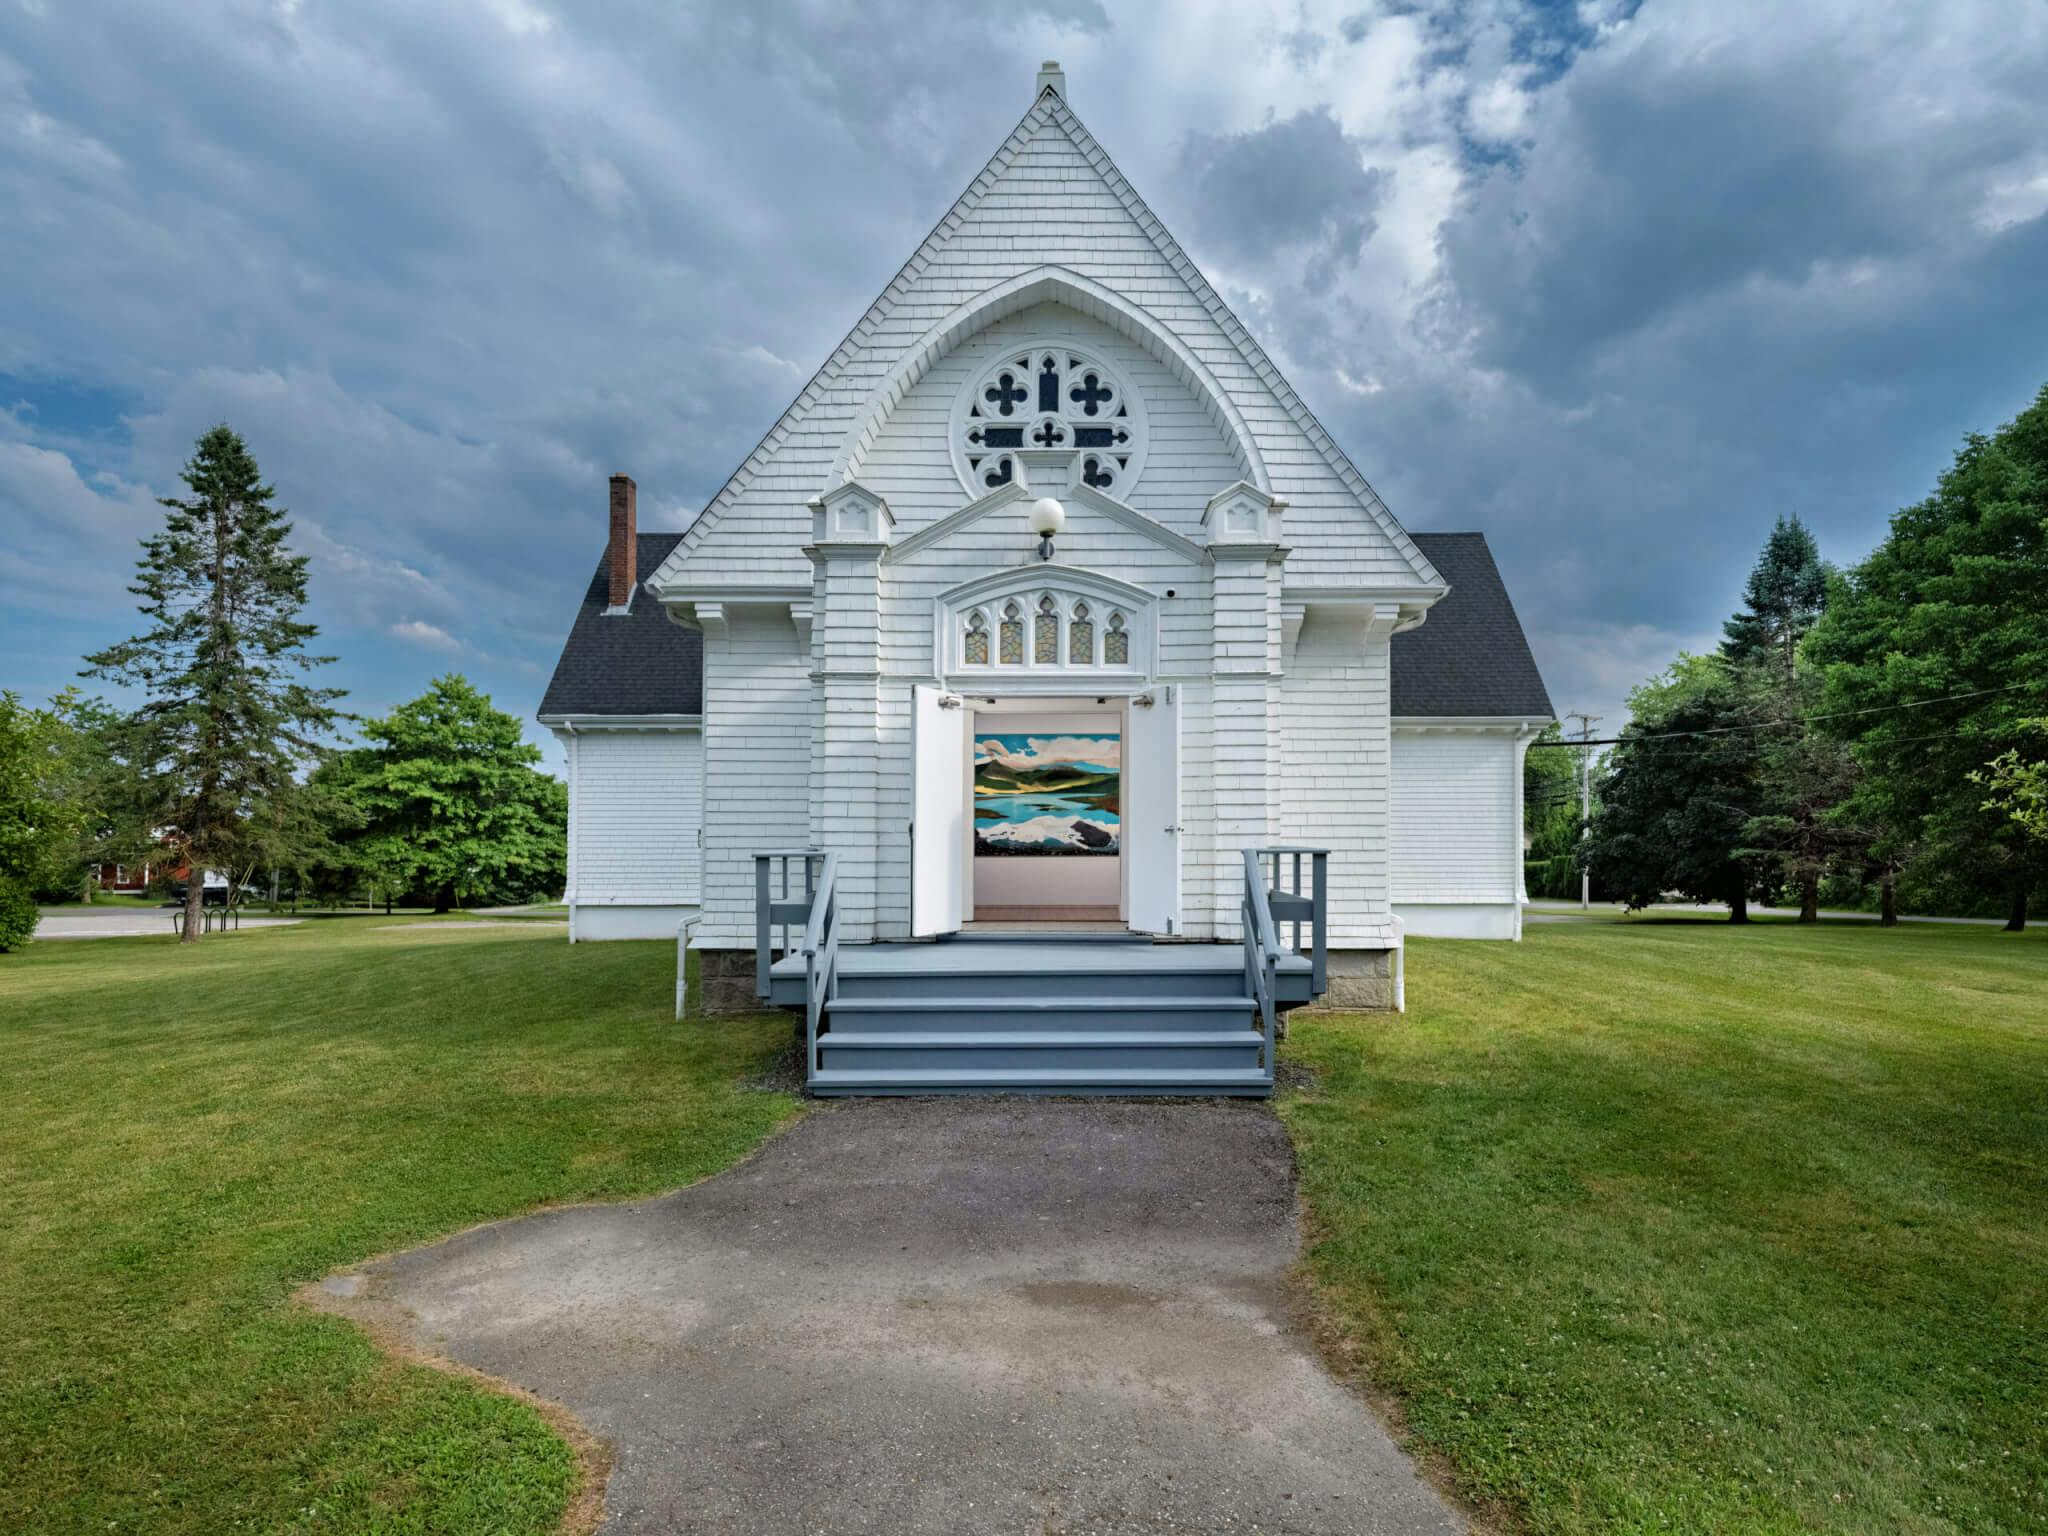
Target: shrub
(18, 914)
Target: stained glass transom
(1116, 643)
(1091, 638)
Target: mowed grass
(188, 1134)
(1673, 1226)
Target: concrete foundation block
(1361, 981)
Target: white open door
(1151, 815)
(938, 798)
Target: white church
(1047, 703)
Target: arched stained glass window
(1116, 643)
(1011, 636)
(974, 647)
(1081, 638)
(1045, 642)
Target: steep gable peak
(847, 394)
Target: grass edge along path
(1668, 1226)
(192, 1134)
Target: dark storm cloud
(1615, 286)
(1297, 181)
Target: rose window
(1057, 399)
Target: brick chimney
(623, 556)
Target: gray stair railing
(796, 890)
(1261, 959)
(821, 959)
(1291, 904)
(785, 880)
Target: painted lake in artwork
(1037, 794)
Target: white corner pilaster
(840, 628)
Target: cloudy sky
(1614, 284)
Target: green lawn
(1667, 1225)
(187, 1134)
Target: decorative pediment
(850, 514)
(1019, 493)
(1243, 514)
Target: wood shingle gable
(1050, 198)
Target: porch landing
(1042, 1013)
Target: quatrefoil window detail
(1053, 397)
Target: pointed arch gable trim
(1049, 284)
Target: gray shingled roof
(1470, 656)
(635, 663)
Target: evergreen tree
(228, 719)
(451, 800)
(1802, 831)
(1782, 600)
(1680, 789)
(1952, 606)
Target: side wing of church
(1043, 604)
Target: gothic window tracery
(1045, 629)
(1053, 396)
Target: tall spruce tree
(1782, 599)
(1939, 642)
(1800, 832)
(228, 716)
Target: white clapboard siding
(637, 801)
(1049, 198)
(1455, 838)
(758, 724)
(1335, 768)
(1187, 460)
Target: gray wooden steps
(1020, 1014)
(1099, 1080)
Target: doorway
(1045, 793)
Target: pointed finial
(1052, 78)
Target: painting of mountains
(1047, 795)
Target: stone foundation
(725, 983)
(1361, 981)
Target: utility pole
(1586, 724)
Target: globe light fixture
(1048, 517)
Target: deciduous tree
(1678, 791)
(1952, 607)
(452, 801)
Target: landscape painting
(1038, 795)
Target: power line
(1673, 751)
(1766, 725)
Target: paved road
(945, 1316)
(126, 922)
(1559, 911)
